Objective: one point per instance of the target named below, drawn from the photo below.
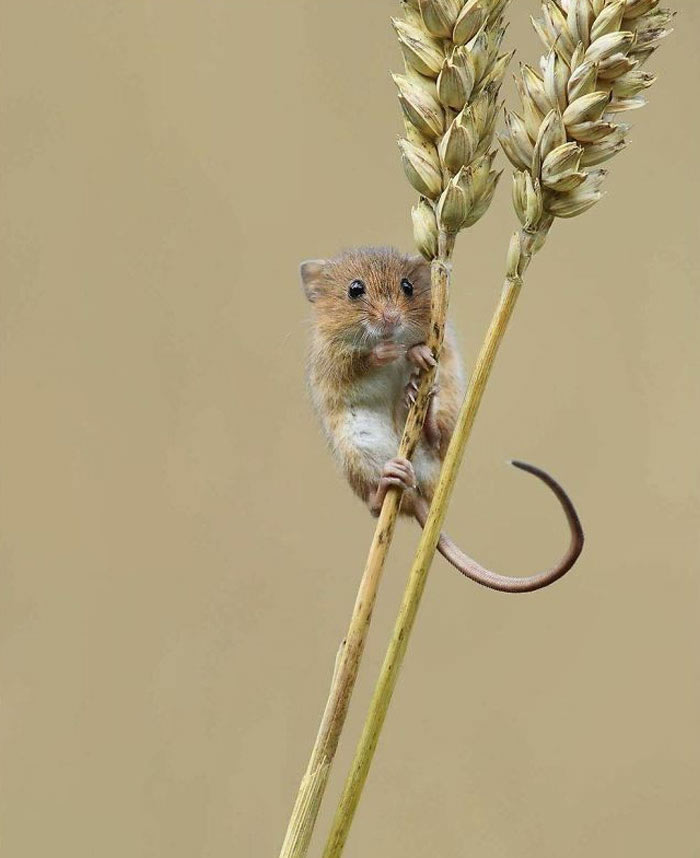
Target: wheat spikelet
(569, 122)
(449, 97)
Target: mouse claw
(410, 392)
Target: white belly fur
(369, 424)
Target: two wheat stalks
(449, 97)
(591, 72)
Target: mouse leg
(431, 425)
(396, 472)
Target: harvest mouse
(371, 315)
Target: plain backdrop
(179, 556)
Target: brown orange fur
(340, 371)
(364, 350)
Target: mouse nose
(391, 316)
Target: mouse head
(368, 295)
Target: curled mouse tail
(454, 555)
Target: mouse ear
(420, 268)
(312, 277)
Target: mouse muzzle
(390, 320)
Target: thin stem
(417, 579)
(313, 784)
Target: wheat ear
(592, 72)
(568, 126)
(449, 97)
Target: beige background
(178, 554)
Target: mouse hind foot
(396, 473)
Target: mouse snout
(391, 318)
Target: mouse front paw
(422, 357)
(386, 353)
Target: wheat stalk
(449, 98)
(592, 72)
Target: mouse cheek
(368, 327)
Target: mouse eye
(407, 287)
(357, 288)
